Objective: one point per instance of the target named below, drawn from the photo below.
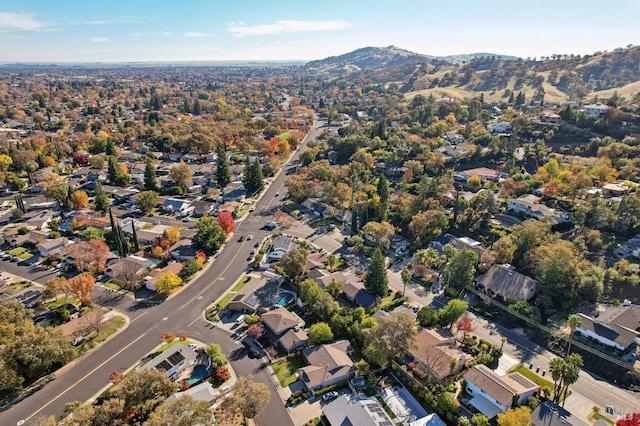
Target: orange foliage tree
(226, 222)
(81, 286)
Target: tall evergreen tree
(253, 177)
(383, 193)
(376, 281)
(197, 109)
(150, 182)
(101, 199)
(113, 171)
(223, 175)
(136, 243)
(110, 149)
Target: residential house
(500, 127)
(549, 414)
(431, 420)
(617, 327)
(280, 246)
(529, 205)
(596, 110)
(433, 352)
(38, 220)
(202, 208)
(232, 207)
(439, 243)
(339, 276)
(355, 292)
(14, 238)
(175, 205)
(51, 247)
(451, 152)
(294, 340)
(350, 410)
(615, 189)
(550, 117)
(315, 207)
(99, 222)
(279, 320)
(315, 261)
(128, 266)
(328, 364)
(152, 279)
(172, 361)
(257, 293)
(485, 174)
(200, 392)
(504, 282)
(467, 243)
(493, 394)
(183, 250)
(235, 193)
(454, 138)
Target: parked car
(249, 237)
(241, 238)
(329, 396)
(254, 353)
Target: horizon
(250, 31)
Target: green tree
(309, 290)
(209, 236)
(448, 315)
(223, 173)
(406, 277)
(320, 332)
(461, 270)
(55, 187)
(116, 175)
(573, 322)
(184, 411)
(392, 337)
(383, 193)
(520, 416)
(479, 419)
(253, 179)
(292, 265)
(150, 181)
(447, 406)
(218, 358)
(101, 200)
(376, 280)
(147, 200)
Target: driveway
(402, 403)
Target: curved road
(181, 314)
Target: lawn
(226, 299)
(61, 301)
(21, 252)
(533, 377)
(597, 416)
(176, 341)
(110, 284)
(241, 283)
(286, 370)
(113, 325)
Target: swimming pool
(199, 372)
(284, 298)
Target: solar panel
(175, 358)
(164, 366)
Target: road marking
(193, 322)
(138, 317)
(220, 277)
(85, 376)
(164, 318)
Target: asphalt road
(181, 314)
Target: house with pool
(262, 293)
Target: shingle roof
(326, 361)
(501, 388)
(550, 414)
(620, 324)
(280, 320)
(505, 281)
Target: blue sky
(208, 30)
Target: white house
(530, 206)
(617, 327)
(493, 394)
(280, 246)
(596, 110)
(172, 361)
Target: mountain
(464, 58)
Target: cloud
(10, 22)
(196, 35)
(99, 40)
(165, 33)
(279, 27)
(120, 20)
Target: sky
(262, 30)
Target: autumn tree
(465, 326)
(180, 174)
(116, 377)
(172, 234)
(79, 200)
(184, 411)
(55, 187)
(143, 391)
(428, 224)
(520, 416)
(392, 337)
(167, 282)
(376, 280)
(380, 231)
(147, 200)
(255, 331)
(631, 419)
(247, 396)
(225, 220)
(81, 286)
(167, 336)
(319, 333)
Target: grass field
(533, 377)
(61, 301)
(113, 325)
(241, 283)
(226, 299)
(21, 252)
(597, 416)
(286, 370)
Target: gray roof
(345, 411)
(506, 282)
(202, 392)
(170, 358)
(550, 414)
(619, 324)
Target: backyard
(286, 370)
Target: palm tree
(405, 275)
(556, 367)
(573, 322)
(572, 372)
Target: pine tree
(136, 243)
(150, 182)
(110, 149)
(383, 192)
(354, 222)
(113, 170)
(101, 199)
(197, 109)
(223, 174)
(376, 280)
